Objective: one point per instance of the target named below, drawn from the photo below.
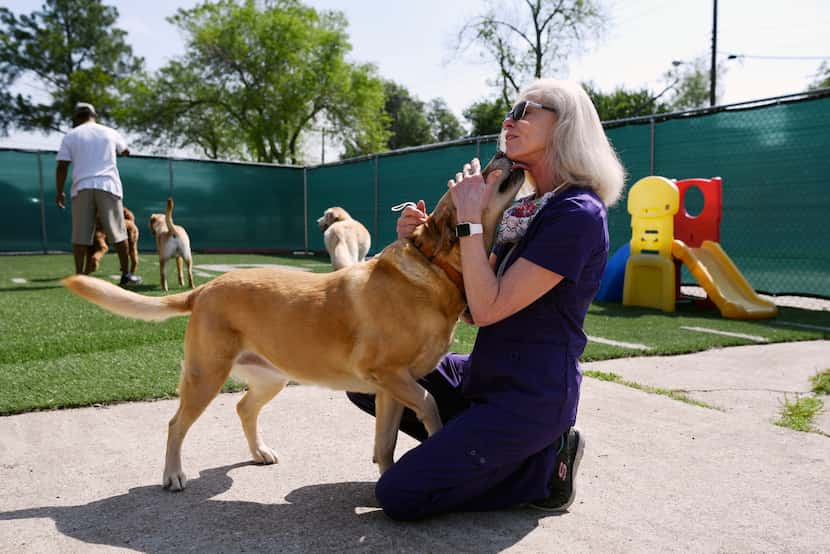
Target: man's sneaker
(130, 280)
(562, 483)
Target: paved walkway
(658, 475)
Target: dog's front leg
(408, 392)
(388, 412)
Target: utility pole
(323, 154)
(714, 70)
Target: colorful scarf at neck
(516, 219)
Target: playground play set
(646, 271)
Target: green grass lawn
(59, 351)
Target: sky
(410, 42)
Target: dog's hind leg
(163, 272)
(179, 268)
(341, 257)
(189, 262)
(264, 383)
(388, 412)
(209, 353)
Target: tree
(411, 121)
(74, 53)
(255, 79)
(621, 103)
(414, 123)
(531, 38)
(443, 123)
(822, 77)
(690, 83)
(486, 116)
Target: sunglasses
(519, 110)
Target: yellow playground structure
(664, 235)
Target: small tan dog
(100, 244)
(171, 241)
(256, 323)
(347, 240)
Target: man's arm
(60, 178)
(120, 144)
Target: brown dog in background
(100, 244)
(257, 323)
(347, 240)
(171, 242)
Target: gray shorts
(91, 202)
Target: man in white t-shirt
(96, 186)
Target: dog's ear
(337, 214)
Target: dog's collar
(453, 274)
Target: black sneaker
(130, 280)
(562, 485)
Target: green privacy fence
(773, 156)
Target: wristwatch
(465, 229)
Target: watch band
(465, 229)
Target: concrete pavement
(658, 475)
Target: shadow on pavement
(331, 517)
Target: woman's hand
(411, 218)
(470, 192)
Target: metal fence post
(652, 126)
(170, 173)
(305, 209)
(377, 197)
(42, 205)
(478, 148)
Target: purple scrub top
(528, 363)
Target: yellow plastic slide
(723, 282)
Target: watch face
(462, 230)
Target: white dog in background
(171, 242)
(347, 240)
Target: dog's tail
(129, 304)
(168, 216)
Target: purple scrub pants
(485, 457)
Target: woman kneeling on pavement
(509, 407)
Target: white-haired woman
(509, 407)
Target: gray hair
(578, 149)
